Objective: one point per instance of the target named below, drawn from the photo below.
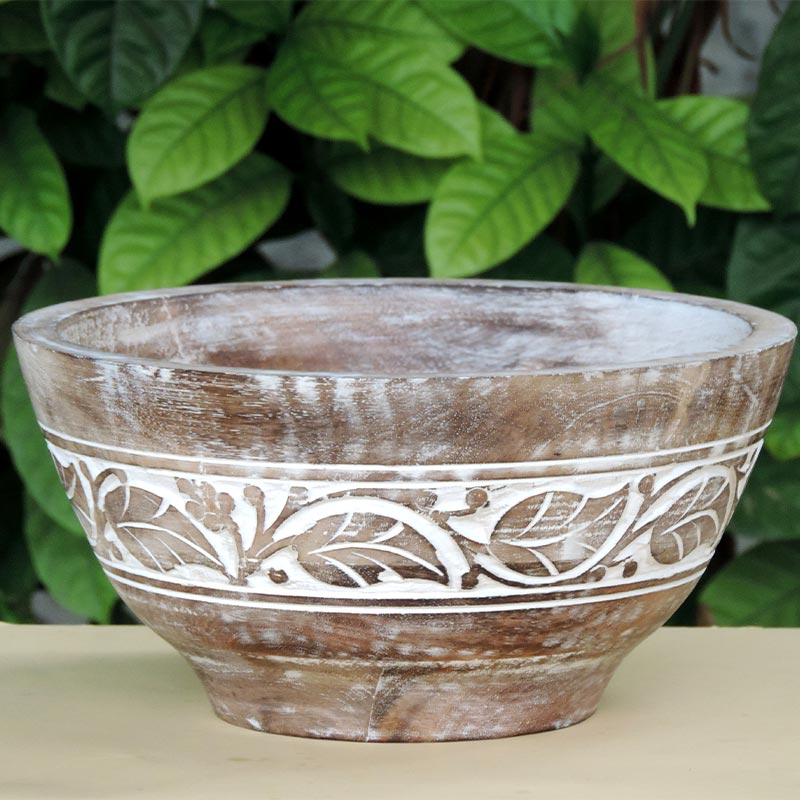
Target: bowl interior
(397, 328)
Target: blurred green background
(146, 143)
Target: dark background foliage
(149, 143)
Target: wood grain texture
(405, 677)
(403, 510)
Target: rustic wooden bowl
(404, 510)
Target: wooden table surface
(94, 712)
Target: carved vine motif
(558, 531)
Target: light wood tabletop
(104, 712)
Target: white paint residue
(575, 525)
(412, 329)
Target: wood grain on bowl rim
(422, 419)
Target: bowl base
(403, 701)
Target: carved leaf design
(562, 530)
(552, 532)
(701, 505)
(82, 489)
(68, 473)
(357, 549)
(271, 509)
(155, 532)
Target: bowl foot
(403, 701)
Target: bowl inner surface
(404, 328)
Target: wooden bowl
(404, 510)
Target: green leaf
(484, 211)
(352, 87)
(765, 270)
(556, 107)
(581, 44)
(17, 580)
(774, 127)
(196, 128)
(557, 102)
(606, 264)
(760, 587)
(770, 506)
(21, 28)
(397, 24)
(494, 125)
(635, 133)
(119, 51)
(318, 94)
(68, 281)
(34, 201)
(607, 181)
(60, 88)
(765, 262)
(270, 16)
(28, 449)
(180, 238)
(356, 264)
(223, 39)
(67, 567)
(790, 396)
(783, 437)
(717, 125)
(619, 59)
(516, 30)
(384, 175)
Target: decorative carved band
(538, 540)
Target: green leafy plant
(146, 144)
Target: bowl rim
(41, 328)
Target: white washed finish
(693, 494)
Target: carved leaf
(272, 508)
(155, 532)
(359, 549)
(77, 495)
(700, 508)
(552, 532)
